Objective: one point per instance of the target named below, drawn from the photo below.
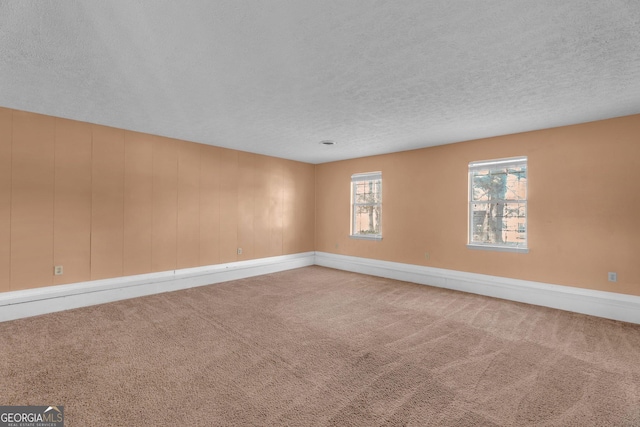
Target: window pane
(480, 185)
(499, 184)
(367, 191)
(516, 183)
(499, 223)
(367, 220)
(514, 223)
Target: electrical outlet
(613, 276)
(57, 270)
(239, 251)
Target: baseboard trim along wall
(609, 305)
(33, 302)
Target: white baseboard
(609, 305)
(33, 302)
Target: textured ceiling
(277, 77)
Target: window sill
(365, 237)
(516, 249)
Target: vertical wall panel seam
(178, 188)
(252, 239)
(91, 209)
(237, 193)
(315, 207)
(179, 151)
(11, 197)
(55, 179)
(177, 182)
(153, 183)
(280, 205)
(150, 218)
(254, 232)
(219, 182)
(199, 204)
(218, 190)
(124, 186)
(200, 263)
(53, 205)
(282, 213)
(124, 198)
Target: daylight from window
(366, 206)
(498, 203)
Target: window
(366, 205)
(498, 204)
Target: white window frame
(521, 247)
(355, 178)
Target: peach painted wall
(105, 202)
(583, 206)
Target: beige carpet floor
(321, 347)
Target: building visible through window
(498, 204)
(366, 205)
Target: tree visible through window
(366, 205)
(498, 203)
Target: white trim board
(49, 299)
(609, 305)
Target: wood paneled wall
(32, 190)
(105, 202)
(72, 201)
(6, 129)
